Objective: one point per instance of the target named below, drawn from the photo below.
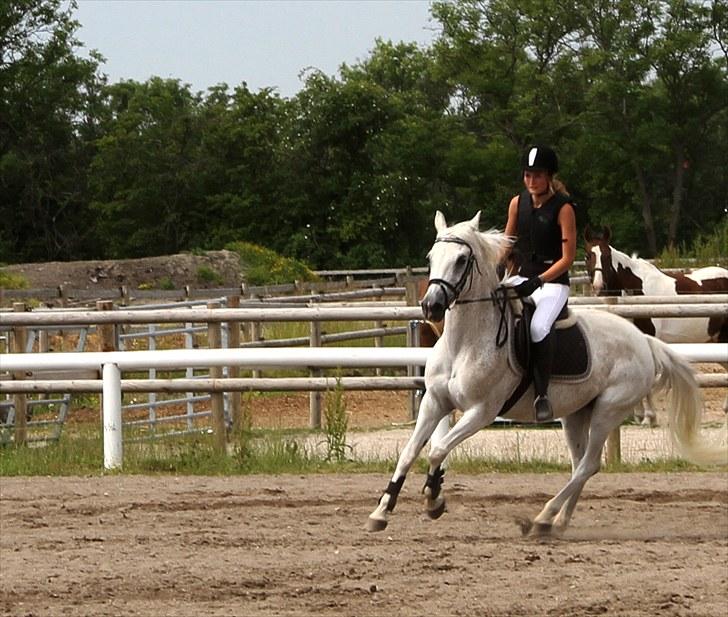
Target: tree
(47, 95)
(144, 177)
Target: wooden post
(107, 338)
(234, 371)
(614, 447)
(63, 301)
(256, 329)
(20, 340)
(314, 404)
(107, 331)
(410, 288)
(125, 295)
(410, 291)
(379, 342)
(214, 341)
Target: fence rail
(111, 363)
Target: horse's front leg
(472, 421)
(431, 412)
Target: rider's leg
(549, 299)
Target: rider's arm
(511, 227)
(567, 222)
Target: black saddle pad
(572, 360)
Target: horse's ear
(606, 233)
(440, 222)
(588, 233)
(475, 221)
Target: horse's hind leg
(430, 414)
(576, 432)
(650, 415)
(602, 423)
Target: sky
(265, 43)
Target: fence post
(410, 291)
(20, 401)
(106, 331)
(111, 411)
(614, 447)
(214, 341)
(234, 371)
(314, 404)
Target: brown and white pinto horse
(614, 273)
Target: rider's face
(536, 182)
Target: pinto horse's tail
(685, 408)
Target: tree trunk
(646, 210)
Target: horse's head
(598, 258)
(462, 261)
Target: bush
(12, 281)
(261, 266)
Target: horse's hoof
(437, 511)
(525, 524)
(376, 524)
(542, 529)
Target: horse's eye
(460, 261)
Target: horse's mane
(492, 242)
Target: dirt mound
(205, 270)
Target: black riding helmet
(540, 158)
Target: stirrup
(544, 411)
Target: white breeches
(550, 298)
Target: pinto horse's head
(598, 258)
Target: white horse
(470, 370)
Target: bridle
(452, 292)
(499, 296)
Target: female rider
(542, 222)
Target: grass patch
(265, 267)
(12, 281)
(208, 276)
(260, 452)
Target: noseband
(452, 292)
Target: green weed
(336, 423)
(12, 281)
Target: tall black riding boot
(543, 353)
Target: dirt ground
(640, 545)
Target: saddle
(572, 357)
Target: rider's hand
(528, 287)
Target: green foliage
(349, 172)
(8, 280)
(207, 275)
(265, 267)
(269, 453)
(707, 250)
(336, 423)
(165, 283)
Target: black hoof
(542, 529)
(437, 512)
(376, 524)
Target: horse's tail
(685, 407)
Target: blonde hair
(557, 186)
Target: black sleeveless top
(539, 236)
